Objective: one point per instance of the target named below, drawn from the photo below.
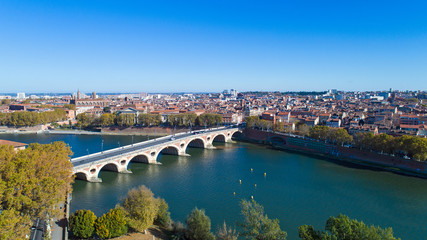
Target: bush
(112, 224)
(141, 208)
(257, 225)
(163, 218)
(225, 233)
(178, 231)
(198, 226)
(82, 223)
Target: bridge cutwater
(117, 159)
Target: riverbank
(141, 131)
(339, 154)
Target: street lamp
(102, 146)
(87, 149)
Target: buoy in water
(240, 181)
(234, 193)
(255, 185)
(252, 169)
(265, 174)
(252, 197)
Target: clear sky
(174, 46)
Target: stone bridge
(88, 167)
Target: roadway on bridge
(138, 146)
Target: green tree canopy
(256, 224)
(147, 119)
(163, 218)
(141, 208)
(34, 181)
(198, 226)
(344, 228)
(111, 224)
(82, 223)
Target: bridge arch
(112, 167)
(169, 150)
(81, 176)
(196, 143)
(219, 138)
(276, 140)
(140, 158)
(237, 135)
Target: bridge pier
(210, 146)
(124, 170)
(183, 153)
(94, 179)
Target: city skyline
(207, 47)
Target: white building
(20, 96)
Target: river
(296, 189)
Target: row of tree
(85, 120)
(140, 209)
(337, 136)
(33, 182)
(21, 119)
(412, 146)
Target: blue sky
(174, 46)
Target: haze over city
(194, 46)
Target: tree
(82, 223)
(303, 129)
(339, 136)
(306, 232)
(210, 119)
(5, 101)
(19, 119)
(111, 224)
(70, 106)
(163, 218)
(125, 120)
(252, 121)
(344, 228)
(224, 233)
(178, 231)
(83, 120)
(35, 180)
(279, 127)
(319, 132)
(107, 119)
(198, 226)
(141, 208)
(149, 119)
(257, 225)
(13, 225)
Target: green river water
(297, 189)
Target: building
(89, 102)
(409, 120)
(16, 145)
(283, 117)
(334, 123)
(20, 96)
(269, 117)
(312, 121)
